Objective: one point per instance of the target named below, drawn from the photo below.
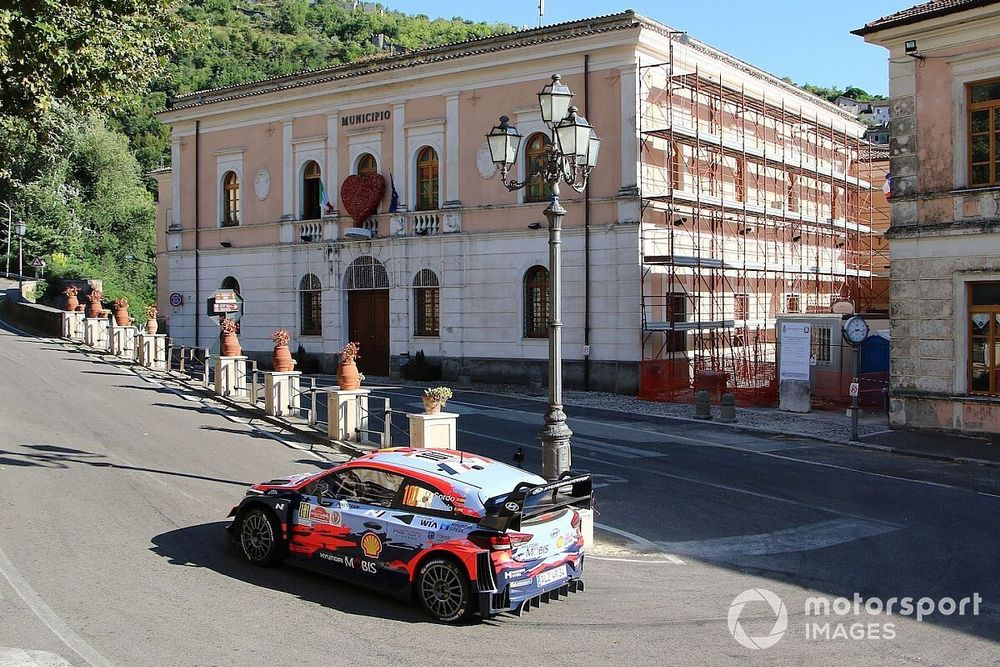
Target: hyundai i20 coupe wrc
(462, 533)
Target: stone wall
(31, 317)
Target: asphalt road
(113, 492)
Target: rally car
(463, 533)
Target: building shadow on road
(55, 456)
(206, 546)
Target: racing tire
(259, 537)
(444, 591)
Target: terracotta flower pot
(231, 345)
(121, 317)
(152, 326)
(94, 309)
(71, 302)
(347, 375)
(80, 308)
(281, 359)
(432, 405)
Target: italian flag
(326, 206)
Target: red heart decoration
(361, 195)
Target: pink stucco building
(944, 83)
(256, 199)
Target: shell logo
(371, 545)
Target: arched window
(536, 302)
(311, 299)
(534, 161)
(231, 283)
(367, 164)
(311, 191)
(426, 304)
(427, 179)
(230, 199)
(366, 272)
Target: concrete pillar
(152, 351)
(95, 332)
(438, 431)
(347, 410)
(123, 342)
(231, 377)
(73, 326)
(702, 407)
(281, 393)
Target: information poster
(795, 349)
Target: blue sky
(807, 40)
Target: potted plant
(281, 357)
(230, 343)
(151, 324)
(347, 371)
(120, 306)
(94, 308)
(71, 299)
(436, 398)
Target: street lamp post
(570, 156)
(20, 256)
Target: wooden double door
(368, 324)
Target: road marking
(634, 560)
(18, 657)
(747, 450)
(788, 540)
(24, 590)
(640, 541)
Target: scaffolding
(749, 209)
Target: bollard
(727, 409)
(702, 409)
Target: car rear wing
(528, 500)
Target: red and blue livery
(464, 534)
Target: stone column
(281, 393)
(347, 410)
(438, 431)
(231, 377)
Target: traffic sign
(854, 389)
(176, 299)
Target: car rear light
(576, 521)
(504, 542)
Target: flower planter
(72, 302)
(347, 375)
(152, 326)
(80, 308)
(281, 359)
(121, 317)
(231, 344)
(432, 405)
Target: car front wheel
(443, 589)
(260, 541)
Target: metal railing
(387, 432)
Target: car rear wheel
(260, 541)
(443, 589)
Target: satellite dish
(357, 233)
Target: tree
(85, 53)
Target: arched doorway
(367, 286)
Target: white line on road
(59, 628)
(641, 542)
(744, 450)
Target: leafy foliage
(91, 52)
(81, 80)
(833, 92)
